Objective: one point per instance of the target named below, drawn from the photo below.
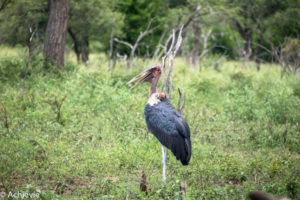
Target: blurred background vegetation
(76, 131)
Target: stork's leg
(164, 161)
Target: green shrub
(295, 85)
(11, 69)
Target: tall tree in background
(248, 19)
(92, 22)
(55, 38)
(18, 17)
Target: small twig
(123, 42)
(143, 184)
(56, 105)
(183, 187)
(179, 105)
(159, 46)
(5, 117)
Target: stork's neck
(153, 85)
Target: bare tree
(55, 38)
(171, 54)
(161, 48)
(197, 34)
(137, 42)
(76, 43)
(287, 54)
(246, 34)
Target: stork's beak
(144, 77)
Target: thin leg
(164, 161)
(166, 155)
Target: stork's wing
(170, 129)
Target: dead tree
(287, 55)
(55, 37)
(170, 55)
(137, 42)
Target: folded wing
(169, 127)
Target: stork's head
(150, 75)
(156, 98)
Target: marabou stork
(164, 121)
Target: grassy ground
(81, 133)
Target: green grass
(244, 130)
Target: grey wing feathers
(170, 129)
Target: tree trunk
(85, 50)
(195, 52)
(4, 4)
(246, 34)
(258, 49)
(76, 44)
(55, 38)
(111, 50)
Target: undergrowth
(81, 132)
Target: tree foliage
(237, 27)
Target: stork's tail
(188, 148)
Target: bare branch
(123, 42)
(171, 61)
(170, 54)
(192, 17)
(142, 35)
(136, 44)
(180, 105)
(159, 45)
(165, 57)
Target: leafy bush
(11, 69)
